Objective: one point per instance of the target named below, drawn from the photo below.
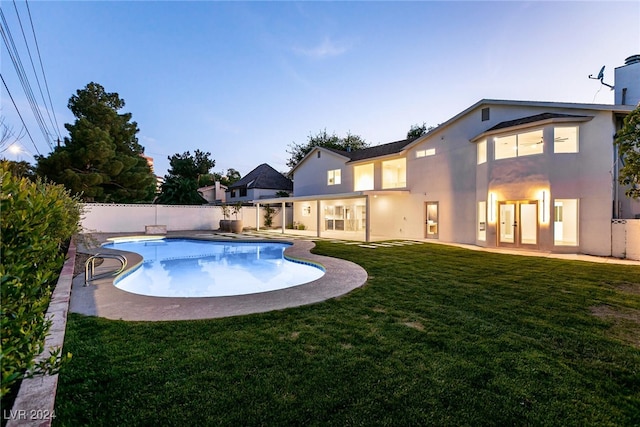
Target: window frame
(400, 175)
(481, 152)
(358, 185)
(427, 152)
(515, 146)
(334, 178)
(577, 139)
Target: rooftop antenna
(601, 78)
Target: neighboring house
(524, 174)
(262, 182)
(215, 193)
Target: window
(506, 147)
(482, 220)
(565, 222)
(394, 173)
(530, 143)
(319, 153)
(243, 192)
(333, 177)
(522, 144)
(482, 152)
(363, 177)
(425, 153)
(565, 139)
(485, 114)
(334, 218)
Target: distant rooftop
(264, 176)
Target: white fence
(625, 238)
(114, 218)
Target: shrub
(268, 215)
(37, 220)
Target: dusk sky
(243, 80)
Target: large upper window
(565, 139)
(521, 144)
(363, 177)
(333, 177)
(394, 173)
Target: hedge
(37, 220)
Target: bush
(268, 215)
(37, 220)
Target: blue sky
(243, 80)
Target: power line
(44, 76)
(22, 76)
(19, 115)
(26, 43)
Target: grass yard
(438, 336)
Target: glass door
(508, 223)
(518, 223)
(432, 220)
(528, 223)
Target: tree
(19, 169)
(322, 139)
(181, 184)
(101, 159)
(417, 131)
(628, 142)
(229, 178)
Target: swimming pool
(199, 268)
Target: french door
(518, 223)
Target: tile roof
(264, 176)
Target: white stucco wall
(628, 77)
(453, 179)
(310, 177)
(124, 218)
(625, 238)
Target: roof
(526, 122)
(399, 146)
(619, 109)
(375, 151)
(264, 176)
(533, 119)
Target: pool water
(198, 268)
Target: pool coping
(101, 298)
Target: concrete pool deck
(103, 299)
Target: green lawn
(438, 336)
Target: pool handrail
(90, 275)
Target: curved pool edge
(129, 250)
(103, 299)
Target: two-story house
(535, 175)
(262, 182)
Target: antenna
(601, 77)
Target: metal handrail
(91, 261)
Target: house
(262, 182)
(215, 193)
(518, 174)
